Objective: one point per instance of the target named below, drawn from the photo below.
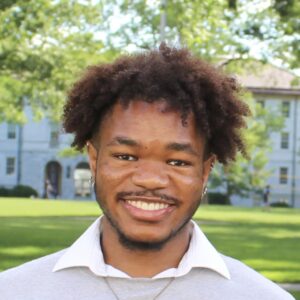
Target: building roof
(263, 78)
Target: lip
(147, 215)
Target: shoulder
(39, 265)
(246, 279)
(21, 281)
(36, 280)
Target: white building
(277, 88)
(30, 154)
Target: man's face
(149, 171)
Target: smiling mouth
(147, 204)
(152, 206)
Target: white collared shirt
(86, 252)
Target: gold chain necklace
(155, 297)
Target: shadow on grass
(272, 249)
(296, 294)
(25, 238)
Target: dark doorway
(52, 179)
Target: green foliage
(44, 44)
(222, 30)
(23, 191)
(201, 25)
(279, 204)
(218, 198)
(4, 192)
(69, 152)
(245, 176)
(18, 191)
(289, 11)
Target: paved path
(290, 286)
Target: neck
(143, 263)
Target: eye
(125, 157)
(178, 163)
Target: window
(54, 135)
(284, 140)
(285, 109)
(10, 165)
(11, 131)
(68, 172)
(283, 176)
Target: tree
(44, 44)
(217, 30)
(248, 176)
(289, 47)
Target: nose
(150, 175)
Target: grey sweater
(36, 281)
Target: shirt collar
(86, 252)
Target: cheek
(108, 174)
(190, 184)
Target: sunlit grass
(11, 207)
(267, 240)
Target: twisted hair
(185, 82)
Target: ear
(92, 154)
(207, 167)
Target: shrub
(279, 204)
(18, 191)
(23, 191)
(4, 192)
(218, 198)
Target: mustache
(148, 193)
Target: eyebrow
(182, 147)
(121, 140)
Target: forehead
(147, 122)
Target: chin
(146, 237)
(145, 243)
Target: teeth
(147, 206)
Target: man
(153, 124)
(266, 195)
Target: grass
(296, 295)
(267, 240)
(33, 228)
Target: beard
(137, 245)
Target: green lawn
(267, 240)
(296, 295)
